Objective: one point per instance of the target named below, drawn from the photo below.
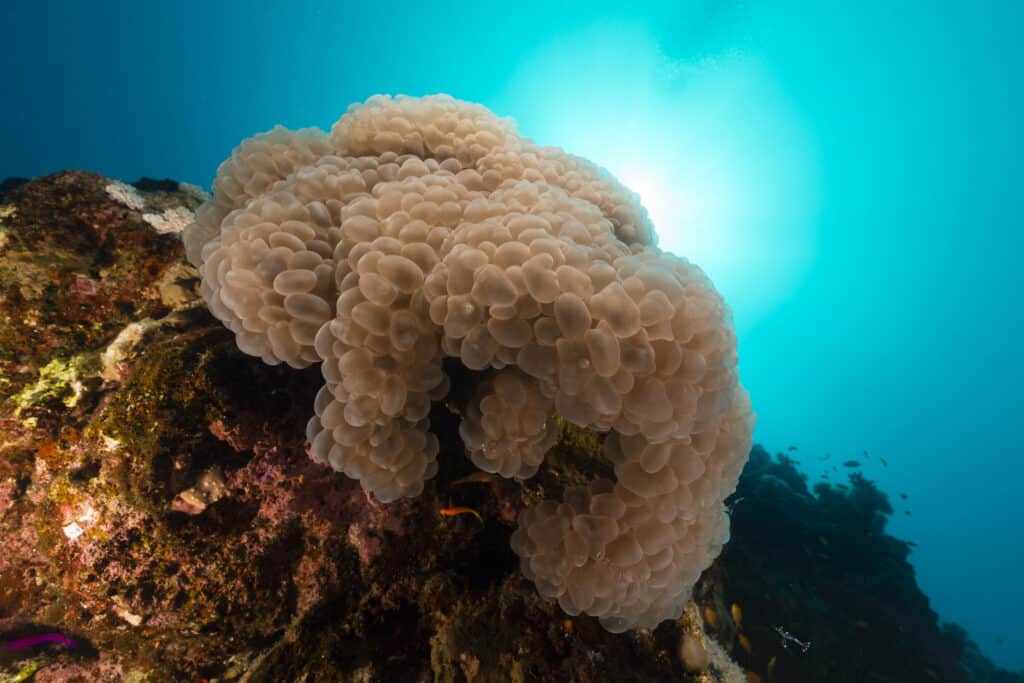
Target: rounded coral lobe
(426, 228)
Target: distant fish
(791, 449)
(745, 644)
(866, 454)
(39, 639)
(851, 463)
(710, 617)
(475, 478)
(907, 513)
(825, 457)
(884, 463)
(454, 511)
(903, 495)
(737, 615)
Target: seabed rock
(158, 508)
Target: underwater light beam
(716, 153)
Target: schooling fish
(884, 463)
(791, 449)
(737, 615)
(710, 617)
(745, 644)
(903, 495)
(39, 639)
(851, 463)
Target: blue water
(849, 174)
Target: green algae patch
(76, 267)
(60, 381)
(161, 414)
(26, 672)
(577, 441)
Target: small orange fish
(567, 627)
(454, 511)
(753, 677)
(475, 478)
(771, 666)
(737, 615)
(710, 617)
(745, 644)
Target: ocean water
(848, 174)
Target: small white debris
(6, 210)
(171, 221)
(115, 354)
(73, 531)
(89, 514)
(208, 489)
(126, 194)
(133, 619)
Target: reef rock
(161, 518)
(160, 510)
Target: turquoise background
(849, 174)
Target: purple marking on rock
(84, 285)
(39, 639)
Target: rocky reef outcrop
(161, 514)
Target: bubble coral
(426, 228)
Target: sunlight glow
(713, 149)
(665, 204)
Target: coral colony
(422, 229)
